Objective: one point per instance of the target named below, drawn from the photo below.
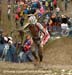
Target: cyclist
(35, 29)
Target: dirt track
(57, 59)
(59, 52)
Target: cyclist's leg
(40, 53)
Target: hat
(5, 39)
(10, 42)
(10, 38)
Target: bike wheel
(65, 33)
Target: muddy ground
(57, 60)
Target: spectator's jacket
(55, 2)
(27, 45)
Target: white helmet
(32, 19)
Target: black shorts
(37, 40)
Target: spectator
(51, 6)
(1, 37)
(42, 10)
(17, 19)
(27, 48)
(53, 22)
(64, 19)
(35, 29)
(57, 11)
(66, 4)
(26, 54)
(6, 48)
(11, 52)
(9, 12)
(55, 3)
(21, 20)
(1, 42)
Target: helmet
(32, 19)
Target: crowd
(28, 14)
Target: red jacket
(55, 2)
(27, 45)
